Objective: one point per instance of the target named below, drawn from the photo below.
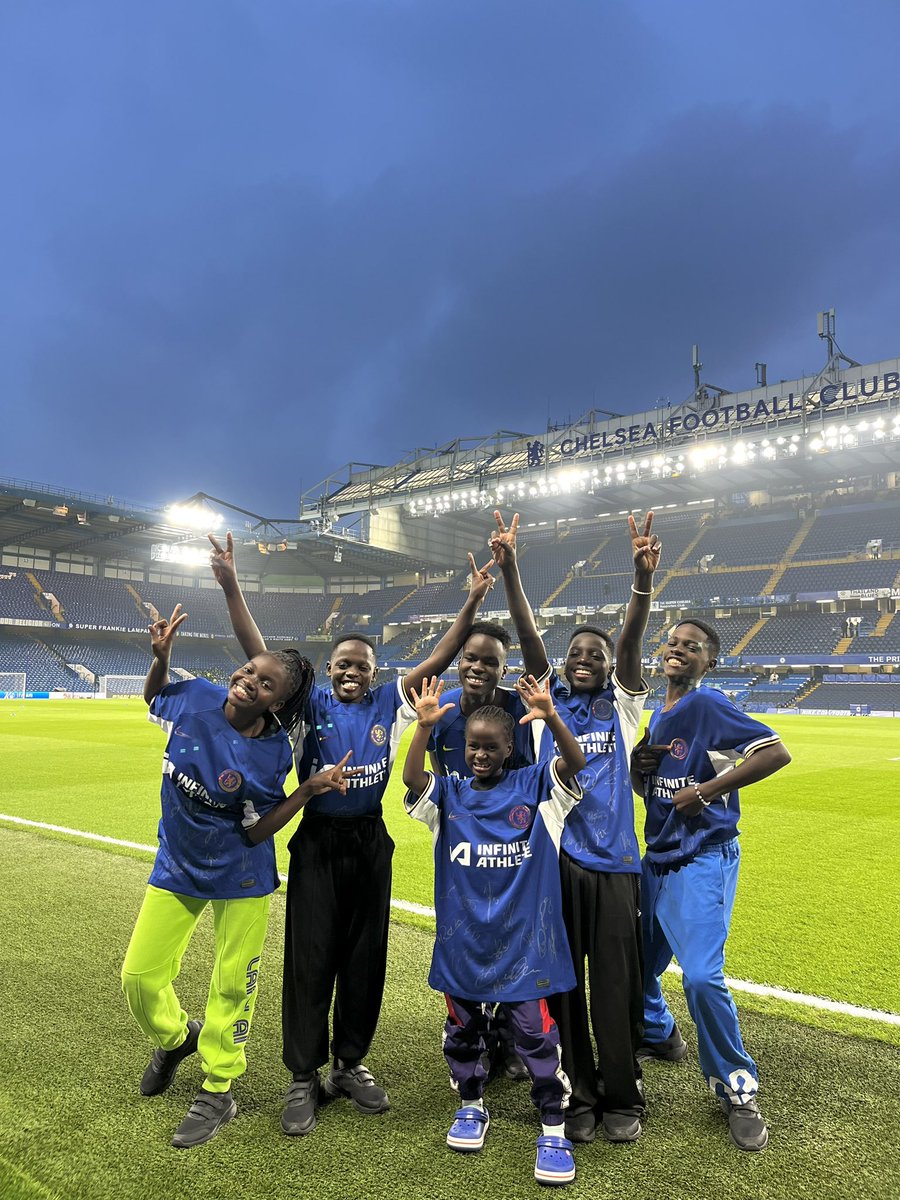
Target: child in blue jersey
(340, 865)
(482, 666)
(599, 859)
(699, 749)
(500, 933)
(226, 761)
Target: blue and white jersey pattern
(500, 929)
(447, 743)
(216, 784)
(599, 833)
(370, 727)
(708, 733)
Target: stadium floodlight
(12, 685)
(185, 556)
(120, 685)
(194, 516)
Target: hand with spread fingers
(645, 546)
(429, 709)
(537, 697)
(162, 633)
(334, 779)
(480, 580)
(503, 540)
(222, 560)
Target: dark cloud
(248, 243)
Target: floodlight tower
(704, 392)
(830, 373)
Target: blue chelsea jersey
(599, 834)
(216, 784)
(500, 930)
(708, 733)
(447, 743)
(370, 727)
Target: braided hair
(495, 716)
(301, 677)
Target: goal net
(12, 685)
(121, 685)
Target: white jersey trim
(563, 798)
(423, 808)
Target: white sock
(554, 1130)
(479, 1104)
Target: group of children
(550, 927)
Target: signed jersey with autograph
(500, 930)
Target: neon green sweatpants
(164, 927)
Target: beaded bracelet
(706, 803)
(638, 592)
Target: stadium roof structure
(843, 422)
(63, 521)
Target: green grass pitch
(813, 915)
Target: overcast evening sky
(246, 241)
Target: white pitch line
(423, 910)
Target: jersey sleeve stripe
(166, 726)
(643, 690)
(572, 789)
(769, 740)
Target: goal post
(121, 685)
(12, 685)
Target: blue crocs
(468, 1130)
(555, 1163)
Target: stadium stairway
(402, 600)
(682, 558)
(39, 594)
(570, 574)
(140, 605)
(804, 692)
(786, 560)
(843, 645)
(883, 623)
(83, 673)
(742, 643)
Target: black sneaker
(358, 1085)
(673, 1049)
(298, 1117)
(621, 1127)
(581, 1127)
(514, 1067)
(746, 1124)
(206, 1116)
(164, 1063)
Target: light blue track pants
(687, 913)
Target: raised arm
(480, 583)
(429, 711)
(759, 765)
(541, 708)
(332, 779)
(245, 628)
(162, 635)
(646, 549)
(503, 545)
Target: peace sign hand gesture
(480, 580)
(503, 542)
(162, 634)
(645, 546)
(334, 779)
(222, 561)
